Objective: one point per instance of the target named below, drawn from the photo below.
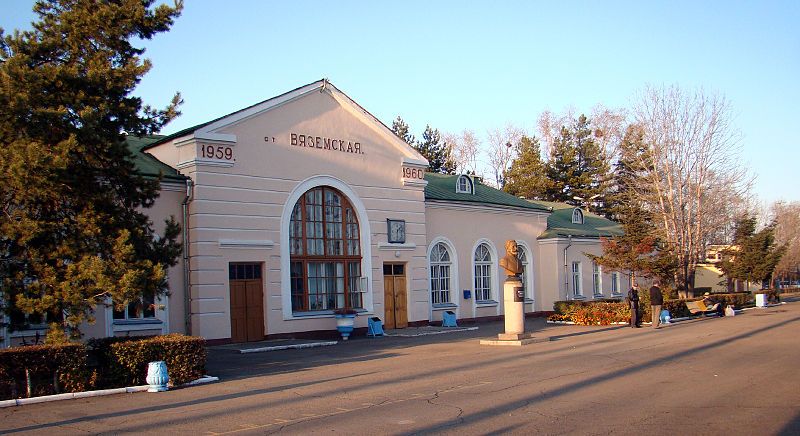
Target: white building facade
(306, 203)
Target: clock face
(397, 231)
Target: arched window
(577, 216)
(483, 273)
(464, 185)
(440, 274)
(325, 252)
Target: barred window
(483, 273)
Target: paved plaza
(728, 376)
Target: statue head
(511, 247)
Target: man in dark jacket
(656, 300)
(633, 298)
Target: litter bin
(761, 300)
(449, 319)
(374, 326)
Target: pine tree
(436, 151)
(754, 255)
(527, 176)
(639, 251)
(401, 129)
(577, 167)
(72, 232)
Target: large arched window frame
(325, 249)
(285, 258)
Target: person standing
(633, 298)
(656, 301)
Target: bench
(699, 307)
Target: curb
(97, 393)
(287, 347)
(438, 332)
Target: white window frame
(479, 267)
(577, 216)
(527, 268)
(615, 284)
(469, 187)
(597, 279)
(577, 289)
(438, 265)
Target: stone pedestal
(513, 302)
(514, 311)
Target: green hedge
(52, 369)
(123, 361)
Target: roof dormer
(465, 184)
(577, 216)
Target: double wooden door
(394, 296)
(247, 305)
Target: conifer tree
(754, 255)
(527, 176)
(577, 167)
(72, 230)
(401, 129)
(639, 250)
(436, 151)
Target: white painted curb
(97, 393)
(287, 347)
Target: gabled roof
(146, 164)
(559, 223)
(442, 187)
(208, 130)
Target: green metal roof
(559, 223)
(443, 187)
(146, 164)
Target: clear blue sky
(480, 65)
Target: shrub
(52, 369)
(596, 312)
(123, 361)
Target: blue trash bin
(374, 326)
(449, 319)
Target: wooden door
(395, 296)
(388, 301)
(247, 303)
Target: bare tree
(608, 127)
(464, 150)
(693, 161)
(787, 233)
(501, 150)
(549, 125)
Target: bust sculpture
(511, 262)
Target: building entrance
(394, 296)
(247, 302)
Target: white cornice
(265, 244)
(411, 162)
(385, 246)
(203, 162)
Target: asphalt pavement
(733, 375)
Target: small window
(139, 309)
(615, 283)
(597, 279)
(577, 216)
(464, 185)
(576, 280)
